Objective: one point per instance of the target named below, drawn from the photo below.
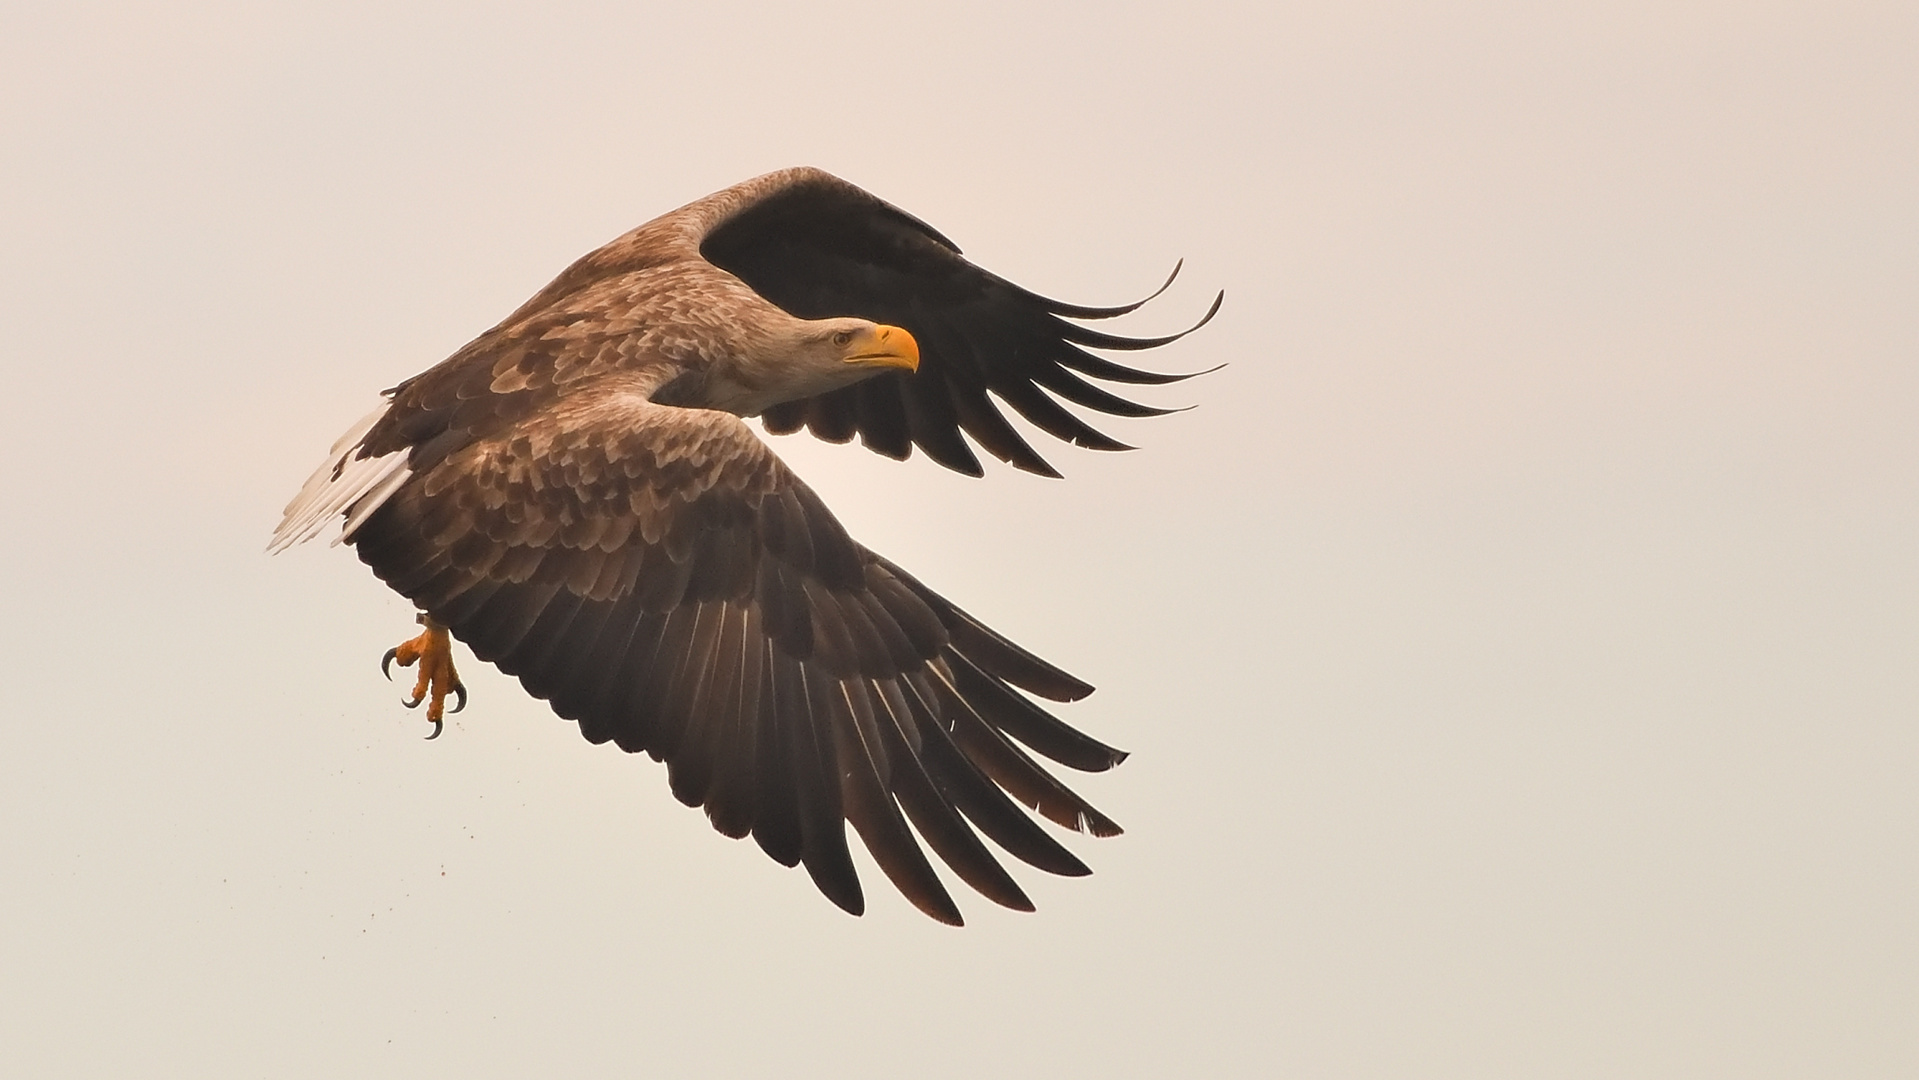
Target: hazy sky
(1518, 643)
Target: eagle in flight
(575, 496)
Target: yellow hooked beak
(884, 347)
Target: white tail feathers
(342, 484)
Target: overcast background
(1517, 643)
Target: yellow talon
(433, 651)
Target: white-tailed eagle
(575, 496)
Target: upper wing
(821, 248)
(659, 576)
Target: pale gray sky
(1517, 643)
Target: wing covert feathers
(657, 575)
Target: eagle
(575, 495)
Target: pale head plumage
(781, 358)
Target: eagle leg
(433, 651)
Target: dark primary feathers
(820, 247)
(557, 496)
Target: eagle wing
(820, 247)
(658, 575)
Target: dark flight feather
(820, 248)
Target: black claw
(437, 726)
(412, 703)
(460, 692)
(386, 663)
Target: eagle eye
(842, 337)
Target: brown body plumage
(574, 495)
